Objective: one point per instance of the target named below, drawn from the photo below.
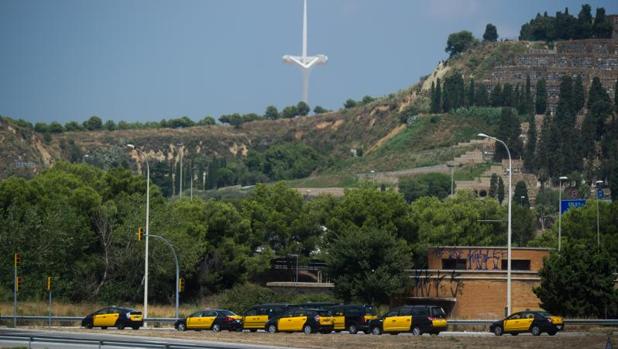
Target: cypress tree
(493, 185)
(508, 131)
(500, 191)
(507, 95)
(470, 94)
(565, 121)
(481, 96)
(517, 100)
(527, 108)
(616, 96)
(545, 146)
(521, 190)
(578, 95)
(541, 97)
(496, 96)
(596, 93)
(530, 153)
(434, 104)
(438, 96)
(588, 135)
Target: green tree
(460, 42)
(470, 92)
(523, 224)
(349, 103)
(596, 93)
(453, 96)
(271, 112)
(496, 95)
(72, 126)
(302, 108)
(493, 185)
(289, 112)
(207, 121)
(508, 131)
(500, 191)
(55, 127)
(507, 95)
(530, 162)
(93, 123)
(41, 127)
(481, 96)
(579, 98)
(431, 184)
(110, 125)
(373, 276)
(320, 110)
(584, 22)
(437, 101)
(491, 33)
(602, 27)
(520, 196)
(541, 97)
(583, 272)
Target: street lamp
(562, 178)
(597, 184)
(452, 166)
(147, 224)
(509, 231)
(521, 200)
(169, 244)
(181, 155)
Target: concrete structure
(469, 282)
(305, 62)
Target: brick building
(469, 282)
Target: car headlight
(128, 315)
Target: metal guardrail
(607, 322)
(133, 343)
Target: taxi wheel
(536, 331)
(253, 330)
(89, 325)
(272, 328)
(104, 327)
(416, 331)
(514, 334)
(135, 328)
(498, 331)
(376, 331)
(551, 333)
(307, 329)
(120, 326)
(181, 327)
(352, 329)
(216, 328)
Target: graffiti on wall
(429, 284)
(476, 258)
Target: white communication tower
(305, 62)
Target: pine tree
(434, 103)
(530, 153)
(508, 131)
(545, 146)
(588, 135)
(438, 96)
(517, 100)
(568, 137)
(579, 98)
(541, 97)
(496, 96)
(500, 191)
(493, 185)
(507, 95)
(528, 96)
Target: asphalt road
(52, 339)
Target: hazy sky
(151, 59)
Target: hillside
(393, 133)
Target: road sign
(571, 203)
(600, 194)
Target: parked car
(535, 322)
(210, 319)
(300, 319)
(256, 317)
(417, 319)
(353, 318)
(114, 317)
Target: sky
(145, 60)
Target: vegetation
(491, 33)
(564, 26)
(460, 42)
(431, 184)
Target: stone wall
(587, 58)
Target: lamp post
(169, 244)
(452, 166)
(521, 200)
(509, 231)
(147, 224)
(597, 183)
(181, 154)
(562, 178)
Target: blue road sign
(572, 203)
(600, 194)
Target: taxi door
(193, 321)
(389, 324)
(207, 319)
(299, 319)
(112, 316)
(526, 322)
(512, 323)
(284, 323)
(255, 318)
(338, 318)
(99, 319)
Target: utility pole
(49, 293)
(16, 284)
(561, 178)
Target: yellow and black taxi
(210, 319)
(417, 319)
(301, 320)
(535, 322)
(256, 317)
(353, 318)
(114, 317)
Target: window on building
(517, 264)
(454, 264)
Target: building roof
(493, 248)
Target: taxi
(210, 319)
(301, 320)
(114, 317)
(256, 317)
(535, 322)
(353, 318)
(417, 319)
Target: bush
(242, 296)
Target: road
(52, 339)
